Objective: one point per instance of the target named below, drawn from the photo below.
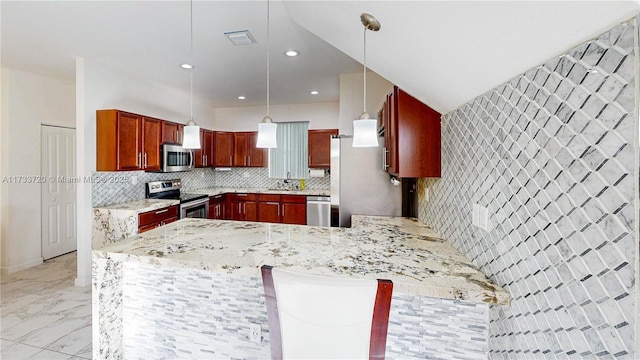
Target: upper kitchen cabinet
(320, 147)
(223, 148)
(412, 136)
(245, 151)
(204, 156)
(127, 141)
(172, 132)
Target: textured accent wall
(158, 326)
(116, 187)
(552, 154)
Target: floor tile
(18, 351)
(74, 342)
(49, 355)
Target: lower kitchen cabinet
(217, 207)
(243, 207)
(286, 209)
(294, 209)
(152, 219)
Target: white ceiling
(443, 52)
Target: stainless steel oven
(191, 205)
(196, 208)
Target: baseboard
(24, 265)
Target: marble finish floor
(43, 315)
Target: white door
(58, 191)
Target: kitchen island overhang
(216, 259)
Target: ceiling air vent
(242, 37)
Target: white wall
(351, 98)
(28, 101)
(99, 88)
(246, 118)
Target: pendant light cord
(191, 70)
(364, 100)
(268, 42)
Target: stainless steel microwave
(174, 158)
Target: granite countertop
(400, 249)
(220, 190)
(140, 206)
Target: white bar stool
(326, 317)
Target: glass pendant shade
(267, 135)
(365, 133)
(191, 139)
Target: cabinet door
(294, 213)
(171, 132)
(320, 147)
(256, 155)
(240, 156)
(129, 150)
(392, 129)
(151, 138)
(224, 149)
(207, 148)
(199, 153)
(251, 210)
(269, 211)
(236, 210)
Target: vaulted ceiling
(443, 52)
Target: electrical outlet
(255, 333)
(475, 215)
(426, 194)
(134, 180)
(246, 174)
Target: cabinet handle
(145, 160)
(241, 194)
(177, 135)
(230, 160)
(282, 210)
(245, 208)
(384, 158)
(249, 160)
(140, 160)
(239, 208)
(161, 211)
(309, 159)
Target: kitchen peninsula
(192, 288)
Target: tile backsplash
(552, 154)
(118, 187)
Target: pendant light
(365, 129)
(267, 128)
(191, 138)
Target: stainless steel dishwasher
(319, 210)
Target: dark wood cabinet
(152, 219)
(224, 148)
(269, 208)
(287, 209)
(412, 136)
(294, 209)
(172, 132)
(320, 147)
(126, 141)
(217, 207)
(205, 155)
(245, 153)
(243, 206)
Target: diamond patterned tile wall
(116, 187)
(552, 155)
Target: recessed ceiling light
(313, 92)
(292, 53)
(186, 66)
(241, 97)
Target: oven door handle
(191, 156)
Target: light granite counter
(193, 288)
(119, 221)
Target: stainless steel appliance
(358, 185)
(191, 205)
(174, 157)
(319, 210)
